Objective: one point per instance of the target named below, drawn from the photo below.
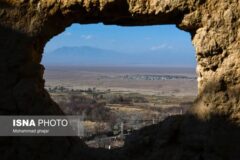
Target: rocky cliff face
(27, 25)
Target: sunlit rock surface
(210, 131)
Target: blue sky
(160, 38)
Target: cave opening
(120, 79)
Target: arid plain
(114, 101)
(125, 79)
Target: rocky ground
(210, 132)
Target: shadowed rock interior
(209, 131)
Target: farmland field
(114, 101)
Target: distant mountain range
(86, 56)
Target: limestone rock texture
(209, 131)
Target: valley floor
(114, 102)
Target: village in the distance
(116, 101)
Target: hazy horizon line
(119, 66)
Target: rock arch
(27, 25)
